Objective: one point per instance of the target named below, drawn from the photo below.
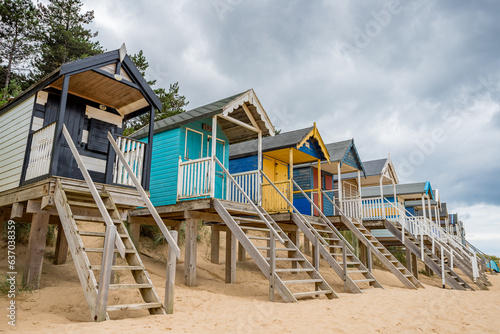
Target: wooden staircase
(429, 258)
(338, 255)
(82, 225)
(373, 245)
(287, 269)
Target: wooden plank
(24, 193)
(198, 204)
(97, 197)
(414, 263)
(230, 257)
(145, 197)
(105, 276)
(47, 202)
(205, 216)
(36, 250)
(214, 244)
(17, 210)
(190, 253)
(170, 277)
(61, 251)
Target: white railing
(350, 207)
(194, 178)
(42, 142)
(249, 182)
(372, 209)
(134, 152)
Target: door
(277, 172)
(220, 178)
(194, 144)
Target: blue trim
(428, 189)
(359, 163)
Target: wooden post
(272, 266)
(360, 201)
(382, 203)
(307, 246)
(339, 186)
(409, 265)
(59, 126)
(135, 232)
(320, 198)
(241, 253)
(36, 250)
(290, 177)
(294, 237)
(363, 254)
(214, 148)
(259, 167)
(214, 244)
(105, 276)
(147, 163)
(17, 210)
(369, 259)
(344, 265)
(190, 254)
(2, 221)
(428, 270)
(230, 257)
(170, 281)
(61, 252)
(414, 264)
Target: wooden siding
(245, 164)
(14, 131)
(304, 179)
(164, 167)
(312, 148)
(350, 158)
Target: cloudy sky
(418, 79)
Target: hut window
(97, 136)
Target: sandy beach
(215, 307)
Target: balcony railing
(134, 152)
(249, 182)
(272, 201)
(42, 143)
(194, 178)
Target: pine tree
(18, 26)
(64, 36)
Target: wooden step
(293, 259)
(126, 307)
(348, 263)
(97, 234)
(134, 268)
(100, 250)
(94, 219)
(130, 286)
(286, 270)
(357, 271)
(311, 293)
(303, 281)
(69, 190)
(250, 220)
(257, 238)
(87, 204)
(366, 280)
(277, 249)
(254, 228)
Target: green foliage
(18, 27)
(172, 102)
(21, 288)
(63, 36)
(398, 253)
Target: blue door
(219, 174)
(194, 144)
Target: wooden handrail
(95, 194)
(146, 199)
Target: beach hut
(344, 159)
(280, 154)
(193, 179)
(59, 166)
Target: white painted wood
(214, 154)
(94, 164)
(133, 151)
(97, 197)
(37, 123)
(240, 123)
(170, 277)
(85, 136)
(194, 178)
(14, 131)
(104, 116)
(249, 182)
(145, 198)
(41, 152)
(41, 97)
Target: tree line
(35, 39)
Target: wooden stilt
(190, 254)
(363, 257)
(135, 232)
(414, 265)
(170, 281)
(36, 250)
(230, 257)
(214, 244)
(408, 259)
(61, 252)
(241, 252)
(307, 246)
(428, 270)
(2, 221)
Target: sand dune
(215, 307)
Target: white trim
(37, 123)
(41, 97)
(224, 148)
(250, 97)
(104, 116)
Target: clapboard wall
(14, 131)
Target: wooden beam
(205, 216)
(36, 250)
(294, 237)
(250, 116)
(106, 272)
(170, 277)
(17, 210)
(230, 257)
(214, 244)
(2, 220)
(190, 253)
(240, 123)
(61, 252)
(47, 202)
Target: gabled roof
(409, 190)
(345, 154)
(374, 168)
(291, 139)
(225, 106)
(128, 92)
